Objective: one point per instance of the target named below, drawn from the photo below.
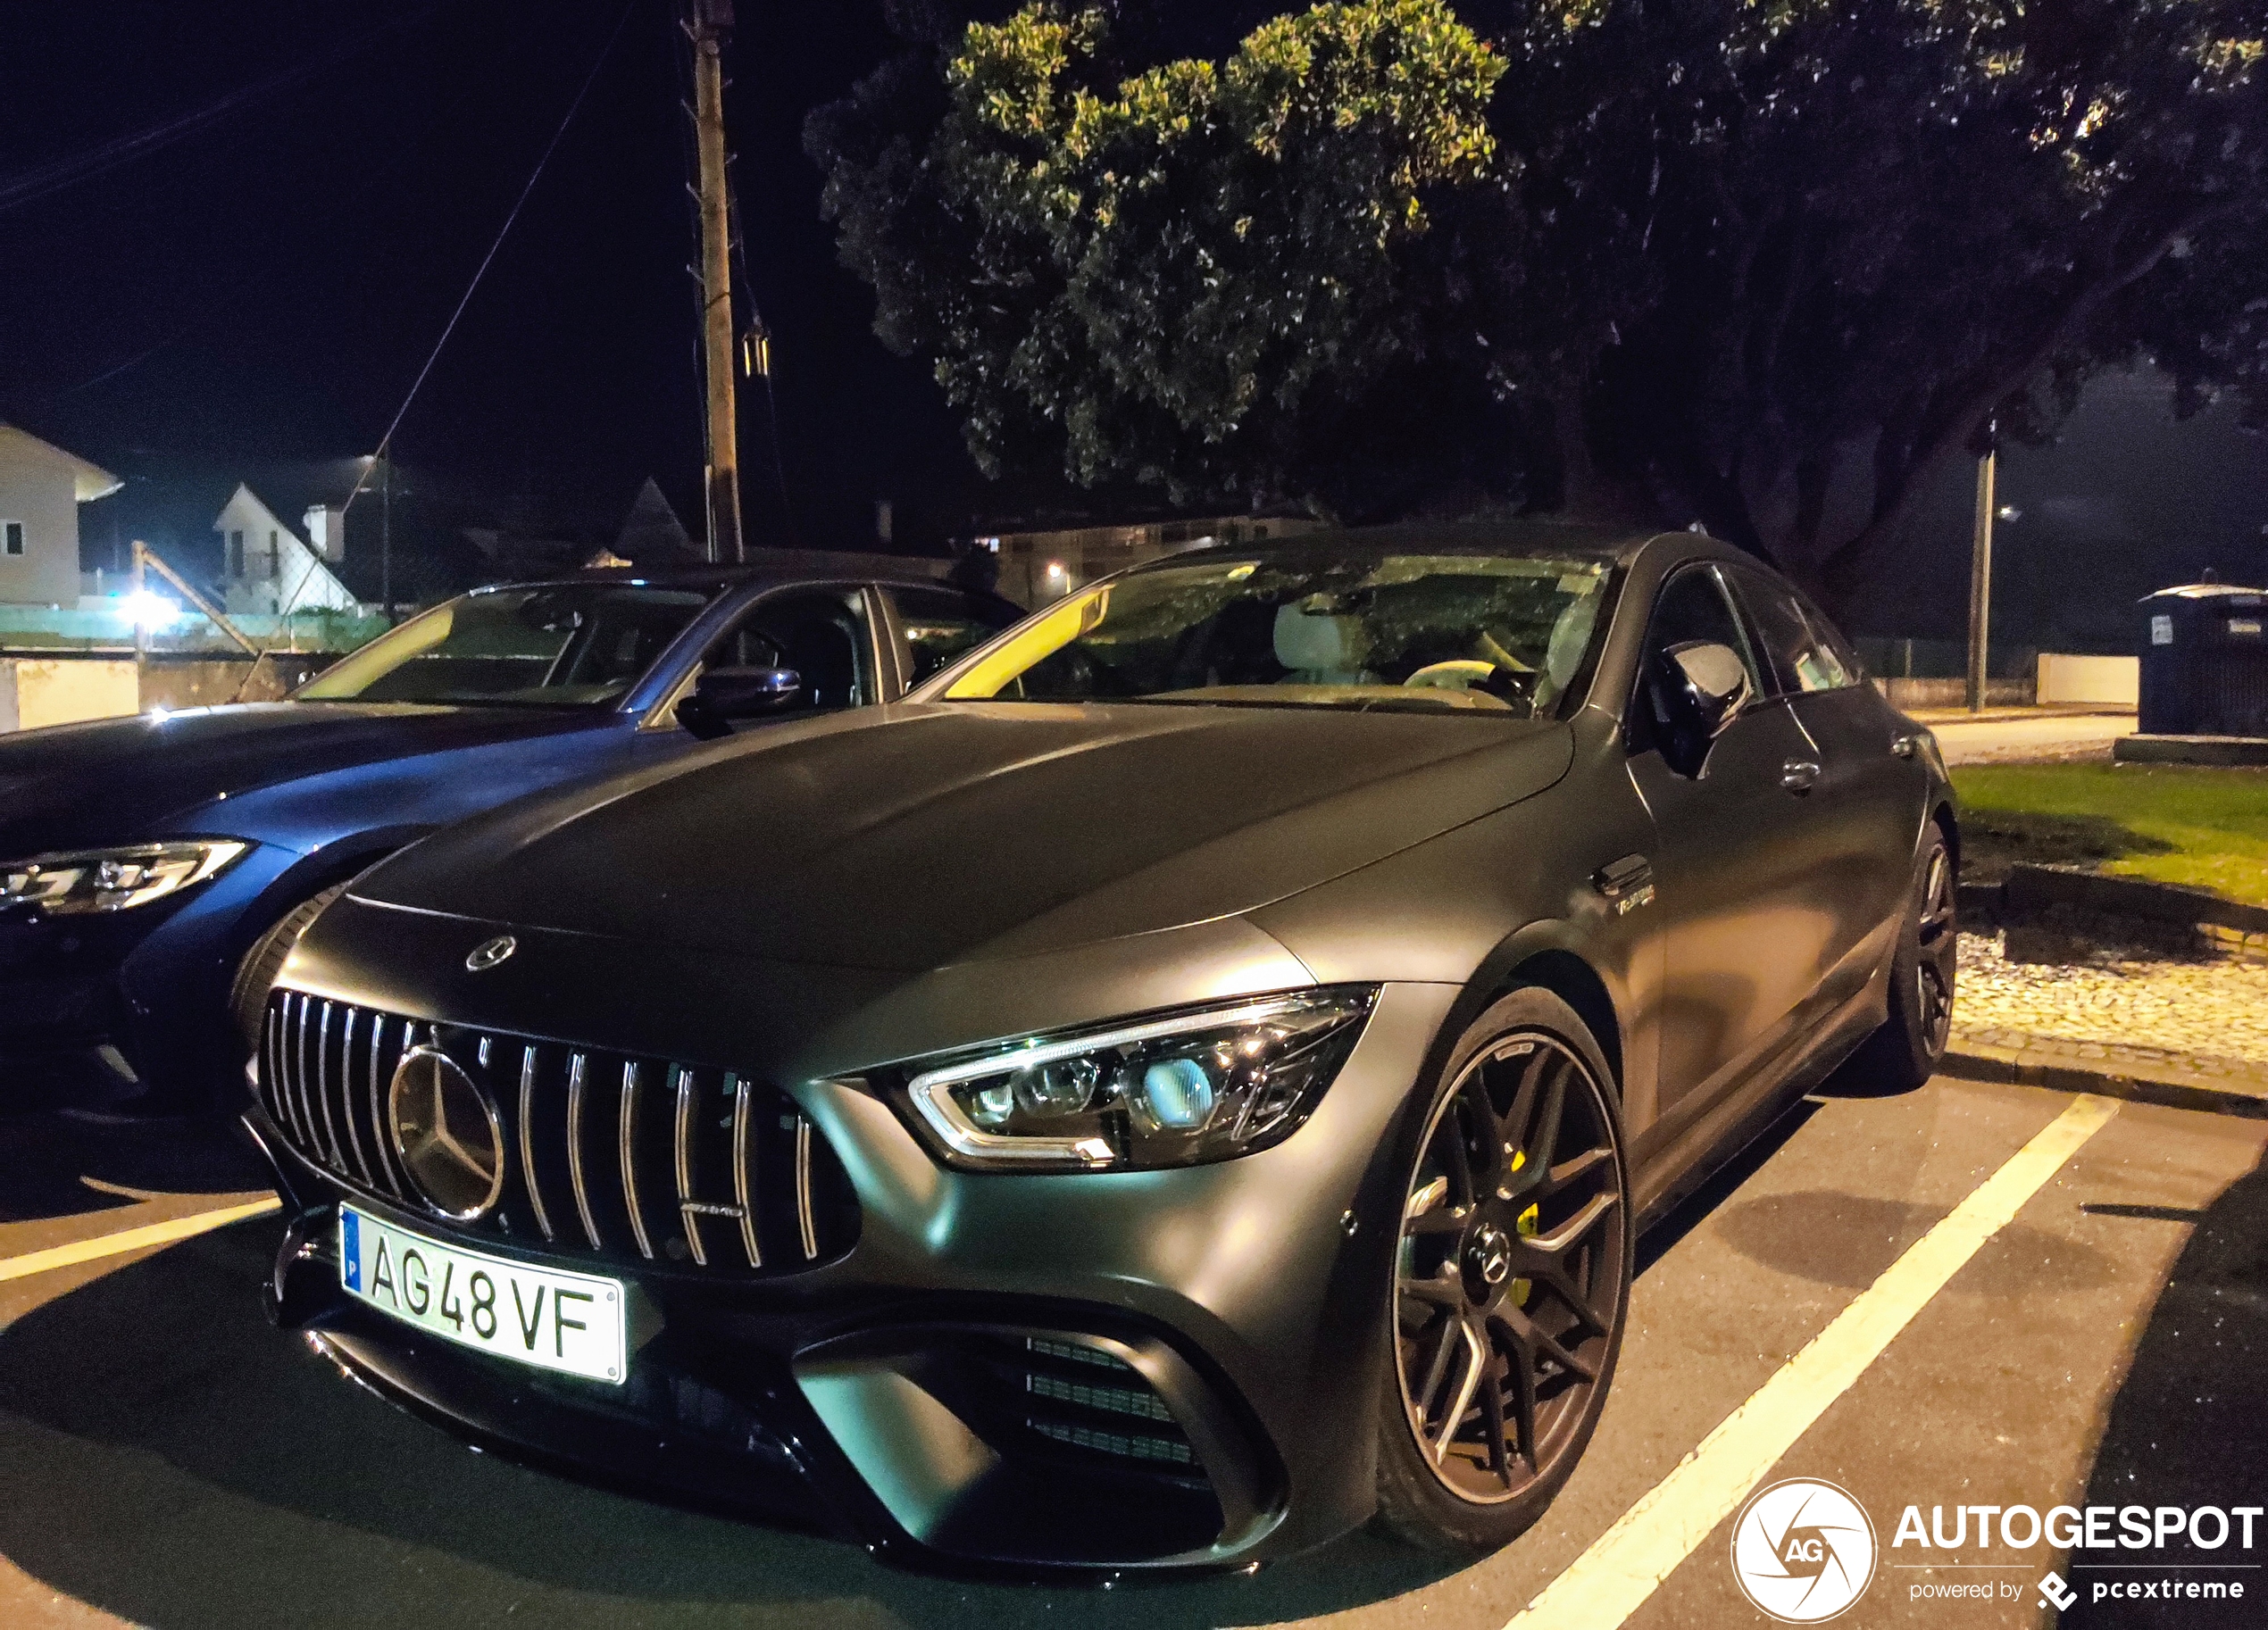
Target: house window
(11, 538)
(275, 558)
(236, 554)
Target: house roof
(89, 481)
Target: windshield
(577, 645)
(1488, 633)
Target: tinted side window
(1692, 608)
(821, 635)
(1801, 660)
(940, 625)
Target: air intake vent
(1088, 1399)
(608, 1155)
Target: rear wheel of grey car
(1911, 1043)
(1511, 1278)
(256, 973)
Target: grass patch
(2194, 826)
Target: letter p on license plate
(574, 1323)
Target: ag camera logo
(1803, 1550)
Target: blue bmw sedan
(155, 870)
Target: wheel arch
(1545, 955)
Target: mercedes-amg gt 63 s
(1184, 1082)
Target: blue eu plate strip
(350, 1243)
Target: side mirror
(1700, 689)
(722, 694)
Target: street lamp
(1981, 569)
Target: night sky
(265, 283)
(230, 234)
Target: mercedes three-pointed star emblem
(448, 1133)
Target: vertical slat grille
(626, 1149)
(647, 1182)
(530, 1177)
(577, 1068)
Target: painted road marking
(133, 1239)
(1627, 1564)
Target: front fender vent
(625, 1159)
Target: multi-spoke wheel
(1510, 1278)
(1911, 1041)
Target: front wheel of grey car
(1511, 1280)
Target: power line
(535, 175)
(386, 441)
(30, 185)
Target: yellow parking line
(133, 1239)
(1627, 1564)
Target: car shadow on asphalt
(54, 1165)
(2186, 1427)
(195, 1467)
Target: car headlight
(1169, 1092)
(111, 879)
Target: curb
(2062, 1067)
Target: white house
(41, 488)
(266, 567)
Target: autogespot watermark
(2199, 1553)
(1805, 1550)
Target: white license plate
(539, 1316)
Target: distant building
(267, 568)
(1039, 566)
(41, 488)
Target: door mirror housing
(723, 694)
(1701, 688)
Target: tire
(256, 973)
(1910, 1044)
(1494, 1453)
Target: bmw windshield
(1420, 632)
(574, 644)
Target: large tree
(1186, 274)
(1757, 263)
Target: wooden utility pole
(1981, 578)
(712, 25)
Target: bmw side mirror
(1701, 689)
(722, 694)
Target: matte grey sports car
(1185, 1083)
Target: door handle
(1799, 775)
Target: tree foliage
(1181, 274)
(1758, 263)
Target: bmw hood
(918, 837)
(123, 781)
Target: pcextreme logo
(1803, 1550)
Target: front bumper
(1143, 1372)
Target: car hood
(123, 781)
(917, 836)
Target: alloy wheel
(1511, 1272)
(1937, 944)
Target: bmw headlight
(1168, 1092)
(111, 879)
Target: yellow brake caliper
(1526, 1226)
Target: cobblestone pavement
(2134, 1008)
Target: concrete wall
(1911, 694)
(39, 691)
(2105, 681)
(42, 494)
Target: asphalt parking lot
(169, 1459)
